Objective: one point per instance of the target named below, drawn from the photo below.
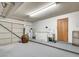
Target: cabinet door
(75, 39)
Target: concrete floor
(32, 50)
(62, 45)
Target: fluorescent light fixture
(44, 8)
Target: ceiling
(21, 9)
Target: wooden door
(62, 29)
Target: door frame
(67, 27)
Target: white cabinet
(75, 40)
(41, 36)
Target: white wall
(73, 24)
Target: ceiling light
(44, 8)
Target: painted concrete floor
(32, 50)
(62, 45)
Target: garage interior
(39, 29)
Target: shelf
(75, 37)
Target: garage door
(18, 30)
(5, 35)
